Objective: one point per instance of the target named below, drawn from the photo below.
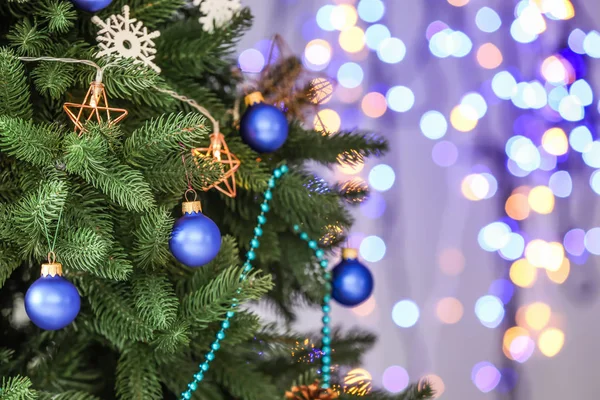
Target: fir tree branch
(152, 13)
(9, 261)
(242, 380)
(14, 90)
(53, 79)
(155, 300)
(59, 15)
(68, 395)
(137, 375)
(28, 39)
(35, 144)
(173, 339)
(152, 238)
(17, 388)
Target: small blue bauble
(264, 128)
(195, 240)
(91, 5)
(352, 282)
(52, 302)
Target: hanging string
(187, 174)
(99, 69)
(195, 105)
(52, 246)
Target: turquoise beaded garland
(251, 256)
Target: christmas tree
(100, 187)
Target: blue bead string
(250, 256)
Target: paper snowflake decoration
(216, 12)
(120, 35)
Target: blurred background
(482, 226)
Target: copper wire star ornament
(219, 151)
(95, 104)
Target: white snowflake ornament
(216, 12)
(122, 36)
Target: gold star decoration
(95, 104)
(219, 151)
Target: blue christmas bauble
(195, 239)
(352, 282)
(264, 128)
(91, 5)
(52, 302)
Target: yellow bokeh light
(522, 273)
(449, 310)
(451, 261)
(352, 39)
(546, 255)
(541, 199)
(322, 91)
(510, 336)
(537, 315)
(554, 256)
(318, 52)
(559, 9)
(374, 105)
(327, 121)
(436, 383)
(463, 118)
(350, 168)
(560, 276)
(365, 308)
(555, 71)
(517, 207)
(555, 142)
(489, 56)
(551, 341)
(458, 3)
(344, 17)
(531, 20)
(475, 187)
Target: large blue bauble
(91, 5)
(195, 240)
(352, 283)
(264, 128)
(52, 302)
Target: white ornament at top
(121, 36)
(216, 12)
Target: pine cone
(310, 392)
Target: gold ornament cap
(51, 268)
(349, 253)
(254, 98)
(189, 207)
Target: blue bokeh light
(490, 311)
(581, 139)
(576, 38)
(502, 289)
(371, 10)
(592, 241)
(350, 75)
(561, 184)
(521, 150)
(595, 181)
(574, 242)
(514, 248)
(571, 109)
(441, 45)
(583, 91)
(391, 50)
(400, 98)
(324, 17)
(372, 248)
(375, 34)
(591, 44)
(374, 206)
(494, 236)
(556, 95)
(492, 185)
(433, 125)
(547, 161)
(477, 102)
(382, 177)
(487, 20)
(405, 313)
(504, 85)
(461, 44)
(592, 155)
(517, 32)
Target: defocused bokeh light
(490, 311)
(551, 341)
(405, 313)
(395, 379)
(449, 310)
(485, 376)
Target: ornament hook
(52, 257)
(188, 192)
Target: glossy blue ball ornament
(91, 5)
(195, 240)
(351, 281)
(263, 127)
(52, 302)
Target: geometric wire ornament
(219, 151)
(95, 104)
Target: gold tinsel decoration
(355, 191)
(311, 392)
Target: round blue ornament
(351, 281)
(91, 5)
(52, 302)
(196, 239)
(263, 127)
